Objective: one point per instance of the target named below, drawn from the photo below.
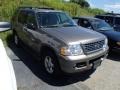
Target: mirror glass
(4, 26)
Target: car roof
(45, 10)
(88, 18)
(39, 9)
(110, 15)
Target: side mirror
(89, 27)
(114, 26)
(4, 26)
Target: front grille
(93, 47)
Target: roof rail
(27, 7)
(112, 14)
(45, 8)
(75, 17)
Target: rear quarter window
(109, 20)
(22, 17)
(15, 14)
(117, 21)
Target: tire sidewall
(54, 60)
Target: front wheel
(51, 64)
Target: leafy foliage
(82, 3)
(7, 7)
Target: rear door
(21, 22)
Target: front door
(32, 32)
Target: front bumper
(75, 64)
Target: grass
(4, 36)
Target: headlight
(71, 50)
(118, 43)
(106, 43)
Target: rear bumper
(83, 63)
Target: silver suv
(57, 40)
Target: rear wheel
(48, 63)
(16, 39)
(51, 64)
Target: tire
(50, 64)
(16, 39)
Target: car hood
(113, 35)
(74, 34)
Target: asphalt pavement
(30, 75)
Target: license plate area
(96, 63)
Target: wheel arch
(45, 47)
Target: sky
(107, 5)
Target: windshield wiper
(67, 25)
(50, 26)
(58, 25)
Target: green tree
(82, 3)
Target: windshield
(54, 19)
(101, 25)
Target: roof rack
(27, 7)
(75, 17)
(112, 14)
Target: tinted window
(84, 23)
(109, 20)
(46, 19)
(117, 21)
(100, 25)
(14, 15)
(22, 17)
(100, 17)
(31, 20)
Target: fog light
(118, 43)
